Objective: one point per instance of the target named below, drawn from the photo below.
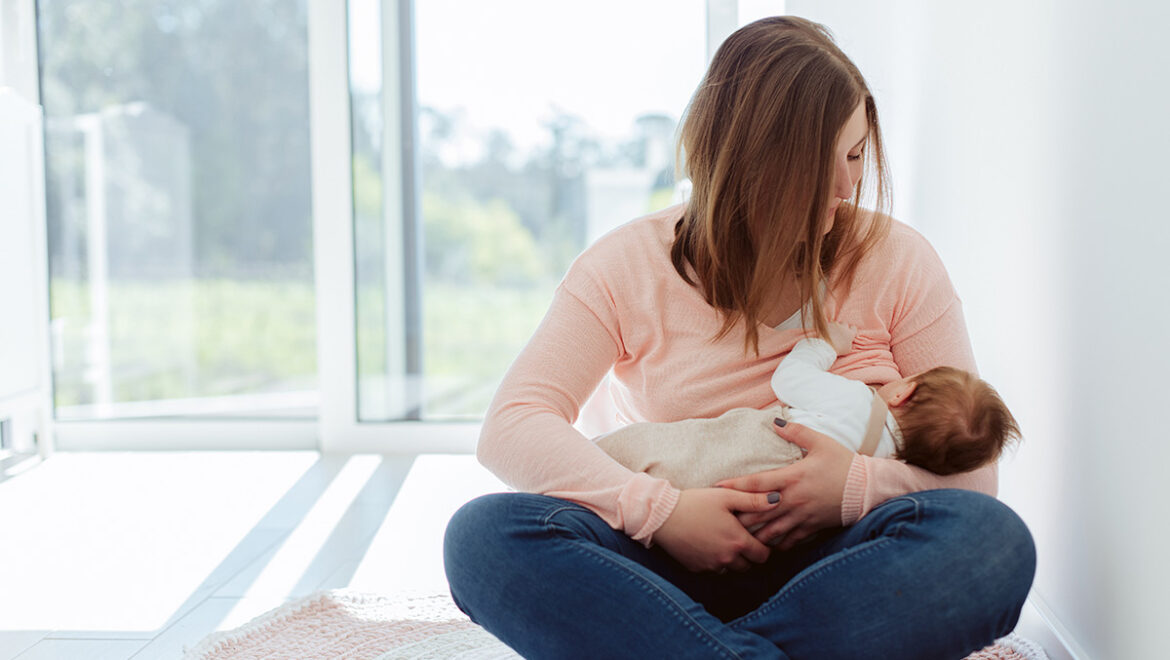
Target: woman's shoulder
(898, 269)
(902, 239)
(902, 250)
(642, 243)
(623, 272)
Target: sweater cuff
(661, 509)
(853, 499)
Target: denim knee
(1000, 548)
(468, 535)
(473, 519)
(1006, 540)
(474, 524)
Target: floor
(105, 556)
(139, 555)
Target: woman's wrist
(660, 511)
(853, 495)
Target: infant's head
(951, 421)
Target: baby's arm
(802, 379)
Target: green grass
(179, 339)
(478, 331)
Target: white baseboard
(1038, 624)
(29, 428)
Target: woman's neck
(784, 304)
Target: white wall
(22, 199)
(1030, 141)
(18, 47)
(24, 315)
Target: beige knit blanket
(696, 453)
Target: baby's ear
(899, 397)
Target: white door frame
(333, 242)
(26, 396)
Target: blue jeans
(936, 574)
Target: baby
(944, 420)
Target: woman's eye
(856, 157)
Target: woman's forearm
(528, 439)
(872, 481)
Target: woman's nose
(848, 173)
(844, 182)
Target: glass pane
(388, 369)
(540, 126)
(177, 157)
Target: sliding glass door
(178, 196)
(492, 142)
(346, 218)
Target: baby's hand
(841, 337)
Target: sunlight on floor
(434, 489)
(125, 544)
(297, 552)
(107, 542)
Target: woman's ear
(903, 392)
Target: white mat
(357, 626)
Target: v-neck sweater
(622, 308)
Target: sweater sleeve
(527, 437)
(927, 329)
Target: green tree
(476, 243)
(236, 74)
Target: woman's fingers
(741, 565)
(802, 436)
(810, 491)
(703, 534)
(748, 549)
(759, 512)
(753, 549)
(778, 529)
(793, 538)
(768, 480)
(751, 502)
(751, 519)
(812, 497)
(778, 479)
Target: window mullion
(329, 117)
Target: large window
(342, 212)
(178, 197)
(523, 131)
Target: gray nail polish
(773, 498)
(780, 422)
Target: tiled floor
(138, 555)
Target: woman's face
(848, 160)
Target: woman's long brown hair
(759, 146)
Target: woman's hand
(841, 337)
(703, 533)
(811, 489)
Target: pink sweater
(623, 307)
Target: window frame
(337, 427)
(333, 235)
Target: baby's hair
(953, 422)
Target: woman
(836, 556)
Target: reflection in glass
(178, 205)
